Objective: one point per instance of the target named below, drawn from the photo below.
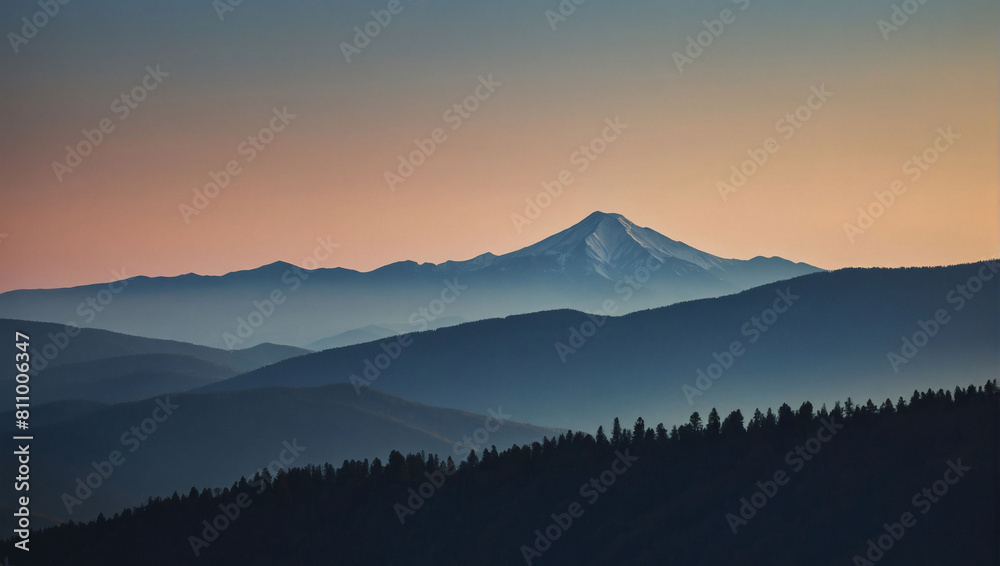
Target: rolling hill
(564, 368)
(52, 345)
(127, 378)
(211, 440)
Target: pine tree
(695, 422)
(714, 424)
(838, 412)
(602, 439)
(639, 430)
(770, 421)
(733, 425)
(395, 468)
(806, 413)
(785, 417)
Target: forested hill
(896, 482)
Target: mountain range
(603, 256)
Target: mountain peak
(598, 218)
(597, 214)
(613, 246)
(579, 232)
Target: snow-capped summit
(611, 247)
(606, 244)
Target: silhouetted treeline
(661, 497)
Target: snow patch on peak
(608, 244)
(617, 242)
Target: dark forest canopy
(796, 486)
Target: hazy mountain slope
(52, 347)
(44, 414)
(212, 440)
(351, 337)
(832, 341)
(377, 332)
(127, 378)
(577, 268)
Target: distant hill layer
(53, 345)
(179, 441)
(127, 378)
(825, 335)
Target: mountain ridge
(577, 268)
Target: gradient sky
(324, 174)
